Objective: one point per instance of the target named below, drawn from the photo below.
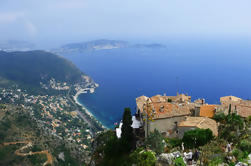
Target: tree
(127, 136)
(155, 141)
(220, 117)
(197, 137)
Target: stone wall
(183, 129)
(167, 126)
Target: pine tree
(127, 136)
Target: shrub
(173, 142)
(238, 154)
(179, 162)
(245, 145)
(141, 157)
(155, 141)
(216, 161)
(197, 137)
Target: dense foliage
(197, 137)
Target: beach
(75, 97)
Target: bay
(201, 69)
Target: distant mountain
(14, 45)
(36, 68)
(103, 44)
(93, 46)
(152, 46)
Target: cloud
(18, 19)
(10, 16)
(31, 28)
(67, 5)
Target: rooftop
(167, 110)
(159, 107)
(202, 123)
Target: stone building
(163, 113)
(226, 100)
(243, 108)
(192, 123)
(208, 110)
(239, 106)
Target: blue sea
(201, 69)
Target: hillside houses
(163, 113)
(173, 115)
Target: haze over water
(202, 69)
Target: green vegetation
(173, 142)
(197, 137)
(155, 141)
(231, 126)
(127, 136)
(115, 151)
(16, 125)
(179, 162)
(40, 66)
(141, 157)
(37, 159)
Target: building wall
(167, 126)
(183, 129)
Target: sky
(63, 21)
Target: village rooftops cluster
(162, 106)
(173, 115)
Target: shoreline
(83, 91)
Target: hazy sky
(76, 20)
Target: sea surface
(201, 69)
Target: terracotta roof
(200, 122)
(159, 107)
(167, 110)
(207, 110)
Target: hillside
(38, 70)
(24, 142)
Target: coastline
(82, 91)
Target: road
(29, 144)
(80, 113)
